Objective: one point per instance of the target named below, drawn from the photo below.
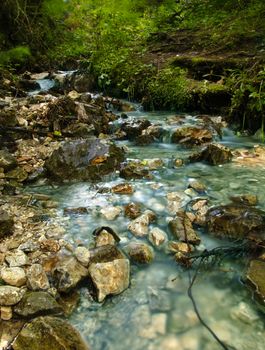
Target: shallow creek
(155, 312)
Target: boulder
(246, 199)
(37, 278)
(134, 128)
(67, 273)
(111, 277)
(255, 277)
(28, 84)
(134, 170)
(14, 276)
(213, 154)
(10, 295)
(6, 224)
(191, 135)
(181, 228)
(235, 221)
(139, 252)
(84, 160)
(37, 304)
(46, 333)
(132, 210)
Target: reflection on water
(155, 312)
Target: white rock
(157, 236)
(110, 277)
(139, 226)
(10, 295)
(82, 254)
(16, 258)
(111, 213)
(14, 276)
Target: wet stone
(140, 253)
(37, 278)
(159, 300)
(105, 253)
(181, 228)
(16, 258)
(36, 304)
(214, 154)
(10, 295)
(139, 226)
(191, 135)
(111, 213)
(82, 254)
(255, 277)
(110, 277)
(246, 199)
(132, 210)
(52, 333)
(157, 236)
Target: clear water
(45, 85)
(155, 312)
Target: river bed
(155, 312)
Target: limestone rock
(111, 213)
(7, 161)
(49, 333)
(157, 236)
(132, 210)
(84, 160)
(191, 135)
(139, 226)
(181, 228)
(36, 304)
(16, 258)
(139, 252)
(110, 277)
(14, 276)
(235, 221)
(82, 254)
(37, 278)
(10, 295)
(67, 273)
(213, 154)
(255, 277)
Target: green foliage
(169, 88)
(18, 54)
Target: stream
(155, 312)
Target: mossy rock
(46, 333)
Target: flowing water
(155, 312)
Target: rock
(83, 82)
(105, 253)
(197, 186)
(132, 210)
(255, 277)
(29, 85)
(134, 128)
(6, 313)
(139, 252)
(37, 278)
(235, 221)
(157, 327)
(14, 276)
(35, 304)
(10, 295)
(176, 247)
(139, 226)
(16, 258)
(18, 174)
(191, 135)
(48, 333)
(6, 224)
(213, 154)
(7, 161)
(159, 300)
(111, 213)
(154, 164)
(144, 140)
(176, 200)
(110, 277)
(134, 170)
(246, 199)
(105, 235)
(244, 313)
(84, 160)
(69, 302)
(82, 254)
(123, 188)
(157, 236)
(181, 228)
(40, 76)
(50, 245)
(67, 273)
(75, 211)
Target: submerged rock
(48, 333)
(123, 188)
(36, 304)
(157, 237)
(84, 160)
(181, 228)
(213, 154)
(139, 252)
(235, 221)
(255, 277)
(105, 236)
(246, 199)
(111, 277)
(132, 210)
(111, 213)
